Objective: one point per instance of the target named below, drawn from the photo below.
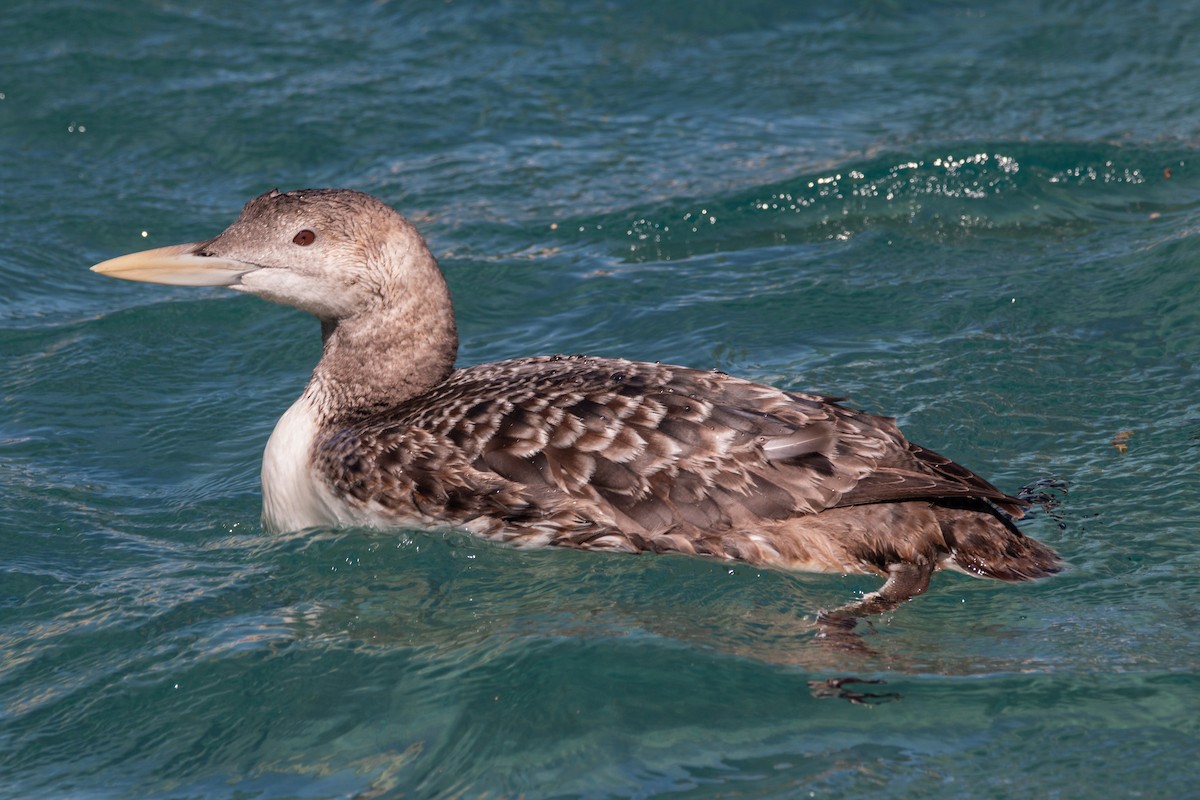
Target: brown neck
(392, 353)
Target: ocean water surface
(981, 218)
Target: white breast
(293, 496)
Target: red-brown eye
(304, 238)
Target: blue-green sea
(982, 218)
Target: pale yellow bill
(177, 265)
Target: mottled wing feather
(918, 472)
(618, 453)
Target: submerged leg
(905, 581)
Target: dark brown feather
(554, 450)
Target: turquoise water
(981, 218)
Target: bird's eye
(304, 238)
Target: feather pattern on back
(607, 453)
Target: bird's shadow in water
(751, 626)
(831, 644)
(727, 610)
(848, 689)
(836, 632)
(758, 615)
